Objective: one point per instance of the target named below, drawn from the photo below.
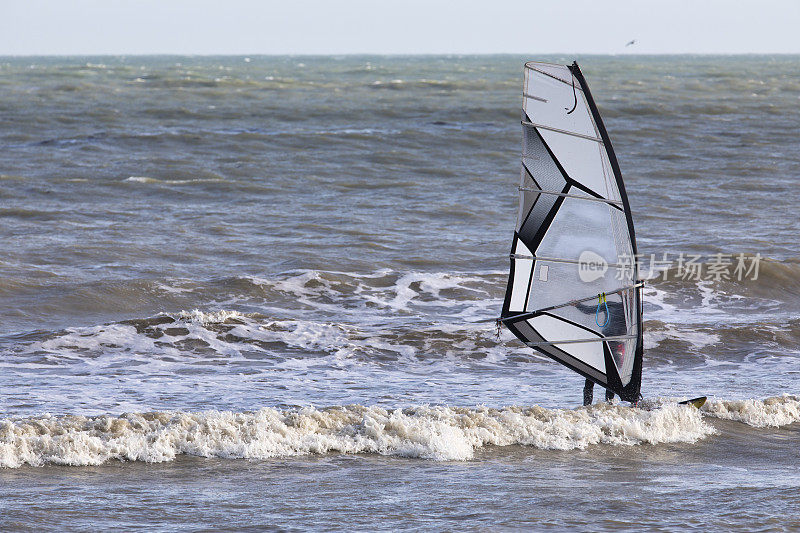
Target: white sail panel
(582, 160)
(522, 277)
(580, 226)
(590, 353)
(546, 101)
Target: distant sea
(257, 292)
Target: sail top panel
(548, 96)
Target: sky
(99, 27)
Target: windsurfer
(614, 326)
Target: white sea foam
(75, 341)
(706, 303)
(212, 317)
(173, 287)
(438, 433)
(775, 411)
(697, 339)
(229, 334)
(387, 291)
(671, 313)
(115, 339)
(150, 180)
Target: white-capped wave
(150, 180)
(209, 317)
(654, 336)
(75, 341)
(438, 433)
(464, 296)
(183, 336)
(769, 412)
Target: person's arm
(588, 309)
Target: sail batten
(577, 341)
(574, 236)
(563, 260)
(565, 195)
(565, 132)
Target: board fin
(697, 402)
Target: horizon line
(398, 54)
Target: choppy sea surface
(258, 292)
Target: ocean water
(258, 292)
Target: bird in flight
(631, 43)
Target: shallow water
(259, 293)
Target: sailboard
(573, 290)
(696, 402)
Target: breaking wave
(769, 412)
(437, 433)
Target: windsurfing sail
(573, 289)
